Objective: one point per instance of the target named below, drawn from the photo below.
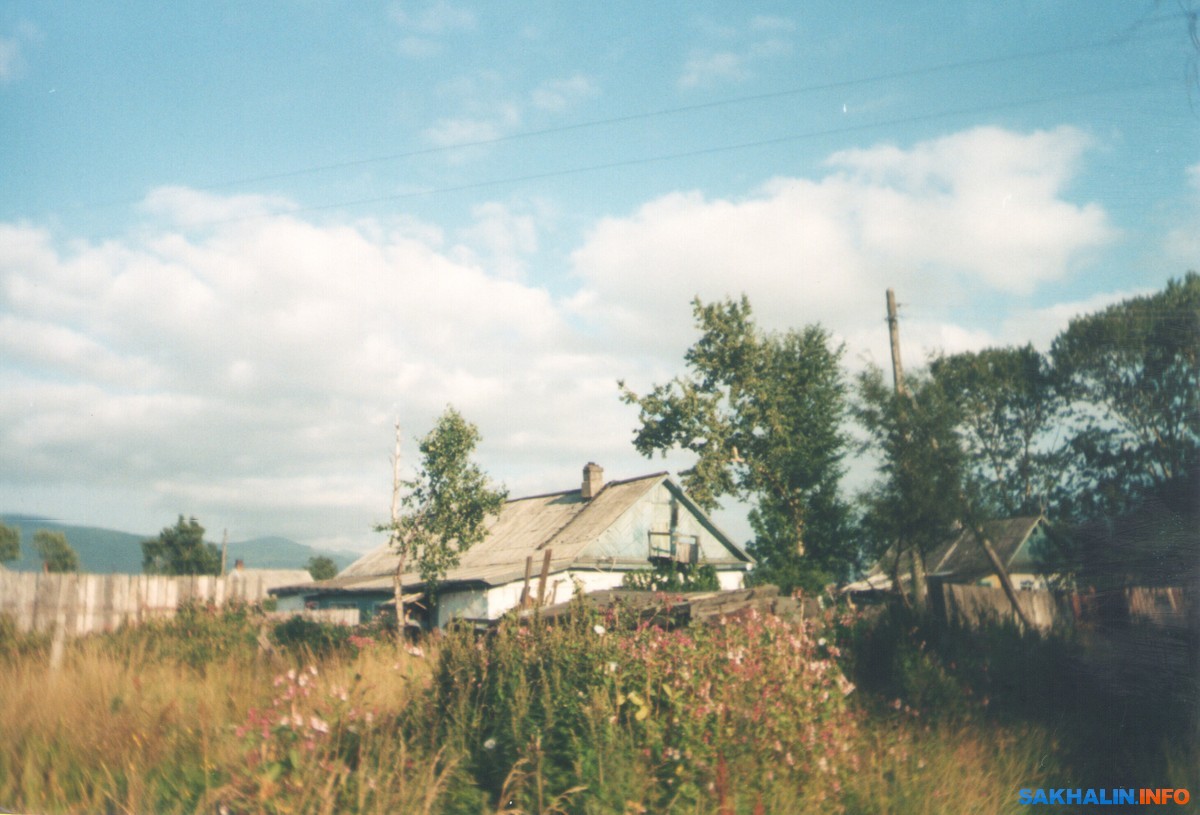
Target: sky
(239, 241)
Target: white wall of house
(731, 581)
(494, 602)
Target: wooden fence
(1162, 607)
(83, 603)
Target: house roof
(562, 522)
(960, 558)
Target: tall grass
(193, 715)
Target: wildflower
(599, 629)
(821, 642)
(318, 724)
(612, 667)
(415, 650)
(490, 744)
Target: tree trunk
(1001, 573)
(398, 591)
(398, 578)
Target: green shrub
(197, 635)
(312, 638)
(15, 644)
(673, 577)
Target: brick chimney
(593, 481)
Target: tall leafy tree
(444, 510)
(56, 554)
(1132, 376)
(1009, 412)
(181, 550)
(762, 413)
(917, 502)
(10, 543)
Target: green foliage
(197, 636)
(15, 643)
(575, 700)
(762, 413)
(671, 576)
(1010, 409)
(10, 543)
(181, 550)
(448, 501)
(916, 503)
(310, 637)
(1131, 374)
(56, 554)
(321, 567)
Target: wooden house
(584, 539)
(962, 560)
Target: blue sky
(238, 240)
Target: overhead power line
(1106, 43)
(706, 151)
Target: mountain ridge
(111, 551)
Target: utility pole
(894, 333)
(975, 528)
(397, 544)
(916, 560)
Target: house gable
(662, 514)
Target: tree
(762, 413)
(10, 543)
(1009, 409)
(923, 499)
(321, 567)
(56, 554)
(181, 550)
(1131, 374)
(442, 515)
(915, 505)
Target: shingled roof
(962, 559)
(563, 522)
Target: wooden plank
(541, 598)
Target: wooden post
(542, 579)
(894, 333)
(398, 577)
(916, 563)
(224, 550)
(1001, 572)
(525, 587)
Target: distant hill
(107, 551)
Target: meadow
(853, 713)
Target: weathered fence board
(976, 605)
(83, 603)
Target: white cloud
(763, 37)
(505, 237)
(707, 68)
(426, 26)
(559, 94)
(253, 356)
(233, 360)
(1182, 245)
(976, 212)
(10, 59)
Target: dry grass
(118, 728)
